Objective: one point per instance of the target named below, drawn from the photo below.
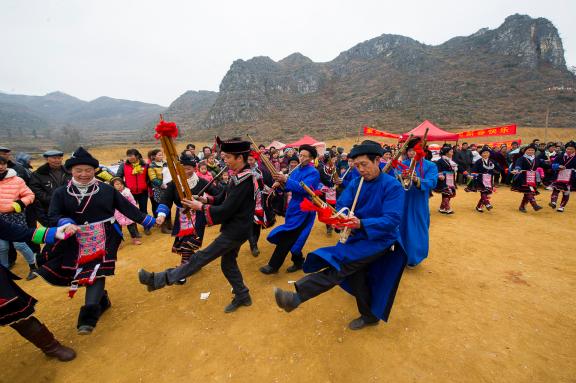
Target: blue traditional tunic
(379, 208)
(416, 223)
(294, 216)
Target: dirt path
(496, 309)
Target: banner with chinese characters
(506, 130)
(368, 131)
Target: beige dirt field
(494, 302)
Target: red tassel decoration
(166, 129)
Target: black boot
(87, 318)
(286, 300)
(39, 335)
(31, 274)
(153, 281)
(105, 303)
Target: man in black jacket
(45, 180)
(233, 209)
(464, 159)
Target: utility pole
(546, 123)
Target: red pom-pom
(166, 129)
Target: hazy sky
(154, 51)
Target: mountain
(507, 75)
(22, 116)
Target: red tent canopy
(434, 133)
(306, 140)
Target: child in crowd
(122, 220)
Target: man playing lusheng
(370, 264)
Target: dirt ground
(492, 308)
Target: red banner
(368, 131)
(500, 143)
(506, 130)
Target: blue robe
(294, 216)
(379, 208)
(414, 229)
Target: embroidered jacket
(233, 208)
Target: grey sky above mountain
(153, 51)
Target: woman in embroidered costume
(526, 178)
(17, 307)
(446, 185)
(565, 165)
(482, 178)
(188, 232)
(87, 259)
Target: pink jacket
(208, 177)
(121, 218)
(12, 189)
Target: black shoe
(267, 269)
(286, 300)
(522, 209)
(295, 267)
(360, 323)
(147, 278)
(181, 281)
(147, 232)
(237, 303)
(489, 207)
(552, 205)
(479, 209)
(537, 207)
(255, 251)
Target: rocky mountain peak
(296, 59)
(532, 41)
(383, 45)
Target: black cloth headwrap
(365, 148)
(81, 157)
(186, 160)
(570, 143)
(233, 146)
(310, 149)
(485, 149)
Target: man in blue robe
(298, 223)
(370, 264)
(414, 229)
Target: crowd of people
(376, 198)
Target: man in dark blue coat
(370, 263)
